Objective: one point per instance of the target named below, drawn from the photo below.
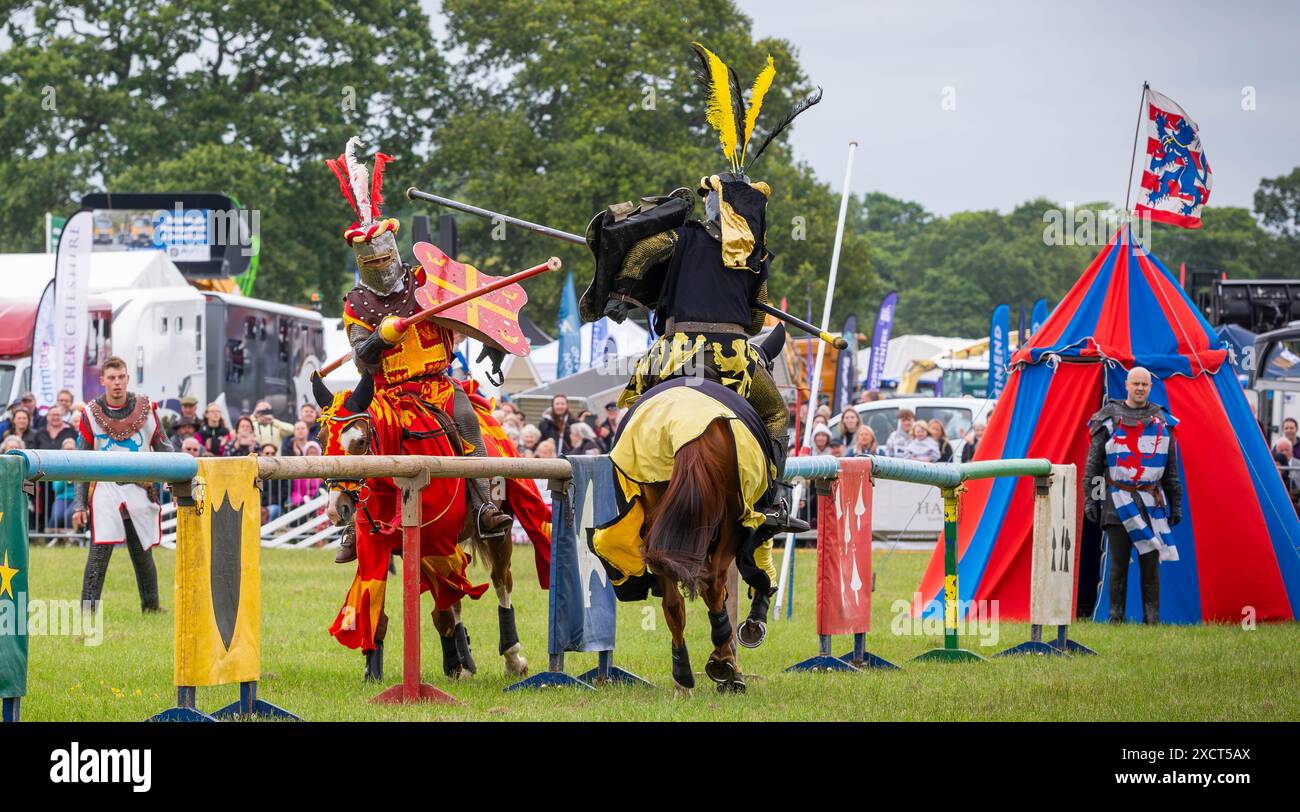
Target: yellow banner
(218, 581)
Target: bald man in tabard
(1133, 491)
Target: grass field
(1163, 673)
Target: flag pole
(783, 582)
(1132, 158)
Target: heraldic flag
(218, 588)
(1176, 181)
(844, 551)
(13, 578)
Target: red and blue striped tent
(1238, 538)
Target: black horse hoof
(720, 671)
(736, 686)
(752, 633)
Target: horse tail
(692, 509)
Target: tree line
(547, 110)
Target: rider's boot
(778, 513)
(347, 546)
(490, 520)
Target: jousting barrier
(844, 550)
(218, 576)
(218, 593)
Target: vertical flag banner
(844, 551)
(569, 357)
(1056, 550)
(1177, 179)
(44, 367)
(880, 341)
(13, 578)
(1039, 316)
(599, 335)
(582, 616)
(71, 292)
(846, 367)
(999, 330)
(218, 583)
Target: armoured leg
(767, 401)
(491, 521)
(92, 582)
(146, 574)
(1121, 550)
(1149, 571)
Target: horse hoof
(720, 671)
(752, 633)
(516, 663)
(681, 691)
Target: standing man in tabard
(120, 512)
(1134, 491)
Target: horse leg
(375, 657)
(675, 616)
(722, 667)
(498, 552)
(456, 660)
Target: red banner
(844, 551)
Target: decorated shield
(492, 318)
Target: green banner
(13, 578)
(53, 230)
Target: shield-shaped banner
(492, 318)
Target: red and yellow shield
(492, 318)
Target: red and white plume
(362, 192)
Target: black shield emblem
(227, 541)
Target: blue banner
(999, 338)
(599, 335)
(582, 613)
(880, 341)
(1039, 316)
(846, 368)
(569, 358)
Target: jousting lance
(393, 327)
(838, 342)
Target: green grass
(1164, 673)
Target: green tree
(565, 107)
(213, 95)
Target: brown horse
(348, 429)
(691, 535)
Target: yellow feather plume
(756, 94)
(719, 113)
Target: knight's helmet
(736, 205)
(372, 238)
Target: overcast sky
(1046, 93)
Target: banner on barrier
(844, 551)
(218, 583)
(1056, 550)
(13, 578)
(582, 599)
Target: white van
(956, 414)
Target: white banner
(44, 368)
(906, 510)
(71, 293)
(1056, 550)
